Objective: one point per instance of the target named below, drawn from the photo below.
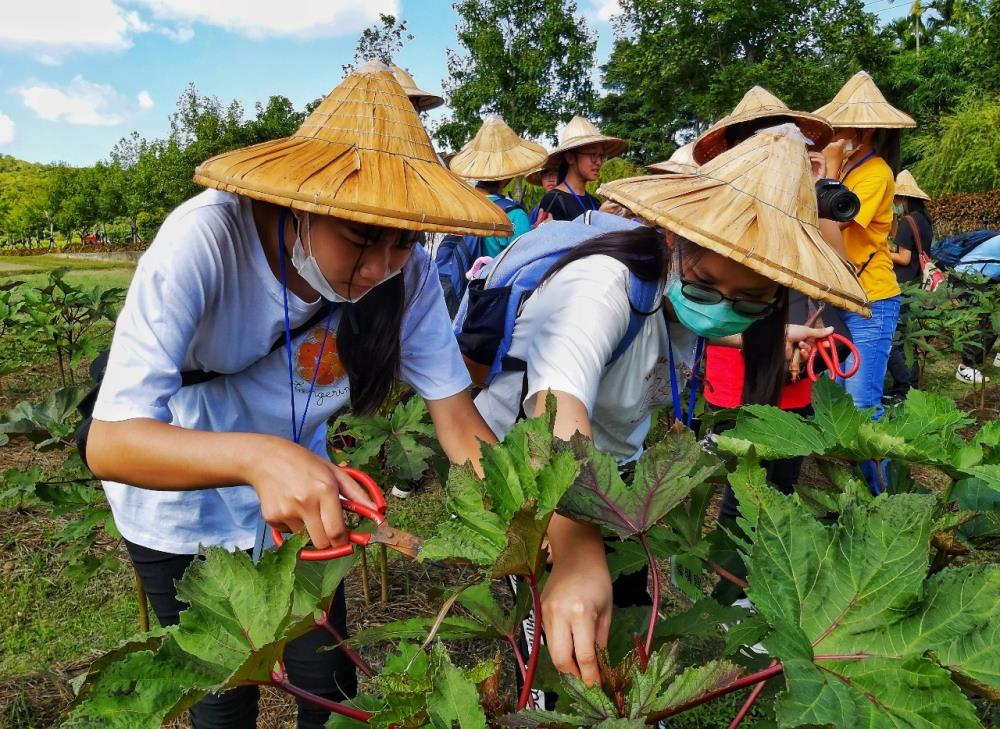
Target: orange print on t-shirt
(330, 367)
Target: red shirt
(724, 381)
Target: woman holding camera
(865, 151)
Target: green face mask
(712, 321)
(897, 209)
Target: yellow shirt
(866, 238)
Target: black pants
(328, 674)
(904, 376)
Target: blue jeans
(873, 339)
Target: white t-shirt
(204, 298)
(566, 332)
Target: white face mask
(308, 268)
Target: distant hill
(13, 164)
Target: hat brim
(684, 215)
(350, 182)
(423, 100)
(911, 192)
(670, 167)
(713, 142)
(613, 147)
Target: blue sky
(77, 75)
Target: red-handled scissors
(384, 534)
(827, 349)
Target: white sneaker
(400, 493)
(996, 360)
(970, 375)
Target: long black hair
(916, 205)
(885, 143)
(368, 343)
(644, 252)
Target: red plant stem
(351, 654)
(518, 658)
(878, 472)
(278, 680)
(748, 704)
(536, 640)
(655, 609)
(736, 685)
(726, 574)
(643, 657)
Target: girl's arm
(298, 490)
(460, 428)
(577, 600)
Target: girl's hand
(833, 153)
(818, 164)
(803, 338)
(299, 491)
(576, 609)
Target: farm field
(55, 622)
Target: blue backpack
(486, 317)
(950, 251)
(455, 256)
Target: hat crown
(369, 110)
(758, 99)
(577, 128)
(906, 185)
(860, 103)
(403, 77)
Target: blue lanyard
(675, 390)
(572, 192)
(857, 164)
(282, 254)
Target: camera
(836, 201)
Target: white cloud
(54, 27)
(145, 100)
(180, 34)
(6, 129)
(606, 8)
(81, 102)
(262, 18)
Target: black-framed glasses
(702, 294)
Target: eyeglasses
(702, 294)
(595, 156)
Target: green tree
(530, 61)
(678, 65)
(964, 156)
(381, 41)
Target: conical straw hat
(756, 204)
(535, 178)
(422, 100)
(681, 162)
(759, 103)
(908, 187)
(580, 132)
(497, 153)
(363, 155)
(860, 104)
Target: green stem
(383, 573)
(365, 587)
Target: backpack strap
(918, 241)
(507, 204)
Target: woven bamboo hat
(363, 155)
(759, 103)
(755, 204)
(681, 162)
(580, 132)
(860, 104)
(497, 153)
(422, 100)
(908, 187)
(551, 165)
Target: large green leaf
(524, 477)
(664, 476)
(239, 619)
(453, 701)
(854, 615)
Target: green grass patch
(46, 621)
(34, 270)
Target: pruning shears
(826, 348)
(396, 539)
